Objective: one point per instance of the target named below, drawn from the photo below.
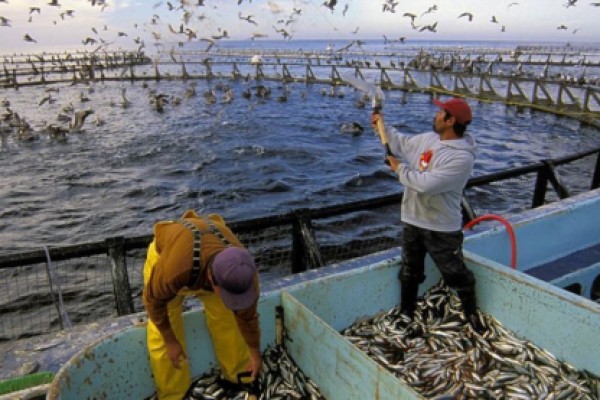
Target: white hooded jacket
(433, 189)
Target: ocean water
(246, 159)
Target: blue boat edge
(320, 303)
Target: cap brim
(438, 103)
(238, 301)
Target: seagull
(78, 120)
(562, 27)
(283, 32)
(410, 15)
(258, 35)
(48, 98)
(34, 9)
(330, 4)
(223, 35)
(512, 4)
(247, 18)
(431, 28)
(28, 38)
(4, 21)
(466, 14)
(494, 20)
(570, 3)
(390, 6)
(190, 34)
(430, 9)
(211, 43)
(125, 103)
(54, 3)
(210, 97)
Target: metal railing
(98, 279)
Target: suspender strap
(196, 260)
(215, 231)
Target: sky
(129, 23)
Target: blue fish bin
(319, 304)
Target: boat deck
(567, 264)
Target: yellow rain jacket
(167, 273)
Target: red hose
(511, 234)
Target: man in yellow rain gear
(200, 256)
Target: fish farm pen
(560, 80)
(43, 280)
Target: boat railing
(98, 279)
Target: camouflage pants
(445, 248)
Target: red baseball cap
(458, 108)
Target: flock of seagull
(71, 119)
(191, 20)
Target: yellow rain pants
(230, 348)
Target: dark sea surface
(250, 158)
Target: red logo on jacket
(424, 159)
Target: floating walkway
(566, 83)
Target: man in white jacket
(434, 170)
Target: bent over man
(435, 169)
(200, 256)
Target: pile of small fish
(440, 356)
(280, 379)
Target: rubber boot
(469, 303)
(408, 298)
(408, 303)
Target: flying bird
(28, 38)
(211, 43)
(431, 28)
(330, 4)
(512, 4)
(248, 18)
(283, 32)
(430, 9)
(494, 20)
(258, 35)
(390, 6)
(223, 35)
(410, 15)
(466, 14)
